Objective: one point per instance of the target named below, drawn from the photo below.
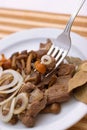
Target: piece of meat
(59, 91)
(52, 80)
(40, 53)
(66, 69)
(47, 82)
(27, 87)
(14, 120)
(63, 80)
(34, 78)
(46, 46)
(33, 109)
(27, 120)
(54, 108)
(35, 95)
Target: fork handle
(71, 20)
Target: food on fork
(23, 93)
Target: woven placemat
(15, 20)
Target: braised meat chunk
(43, 49)
(33, 109)
(49, 81)
(66, 69)
(27, 87)
(14, 120)
(63, 80)
(57, 93)
(34, 78)
(27, 120)
(46, 46)
(54, 108)
(36, 95)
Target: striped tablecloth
(15, 20)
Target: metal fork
(62, 44)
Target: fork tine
(50, 50)
(55, 51)
(59, 54)
(61, 59)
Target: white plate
(73, 110)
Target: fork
(62, 44)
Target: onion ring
(7, 118)
(16, 87)
(24, 97)
(14, 74)
(46, 60)
(9, 98)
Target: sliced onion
(15, 79)
(1, 70)
(46, 60)
(4, 78)
(19, 77)
(7, 118)
(7, 105)
(23, 74)
(9, 98)
(24, 99)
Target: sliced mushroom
(21, 56)
(52, 108)
(13, 62)
(28, 63)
